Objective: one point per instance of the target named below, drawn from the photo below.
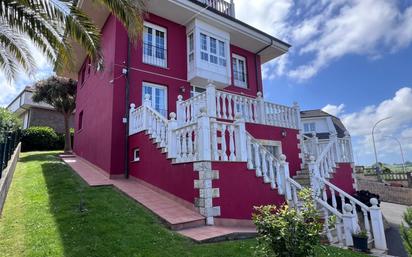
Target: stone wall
(49, 118)
(399, 195)
(5, 181)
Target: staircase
(196, 135)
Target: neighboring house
(184, 112)
(36, 114)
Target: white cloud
(335, 110)
(324, 31)
(360, 124)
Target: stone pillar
(180, 110)
(261, 108)
(206, 191)
(378, 229)
(204, 146)
(171, 137)
(240, 139)
(211, 99)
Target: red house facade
(183, 111)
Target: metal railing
(154, 55)
(8, 143)
(223, 6)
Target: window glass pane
(204, 56)
(222, 49)
(203, 42)
(160, 44)
(213, 46)
(213, 59)
(148, 40)
(191, 43)
(235, 70)
(222, 62)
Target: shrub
(40, 139)
(406, 231)
(286, 232)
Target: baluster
(257, 160)
(224, 106)
(326, 227)
(249, 153)
(192, 110)
(218, 108)
(229, 101)
(264, 166)
(245, 101)
(339, 231)
(179, 146)
(367, 224)
(223, 134)
(342, 199)
(334, 203)
(255, 116)
(232, 156)
(354, 211)
(295, 198)
(184, 145)
(272, 173)
(215, 151)
(190, 143)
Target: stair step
(187, 225)
(212, 234)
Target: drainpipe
(256, 66)
(127, 100)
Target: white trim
(236, 82)
(152, 59)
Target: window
(239, 70)
(136, 155)
(80, 126)
(191, 48)
(196, 90)
(158, 97)
(212, 50)
(154, 45)
(309, 127)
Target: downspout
(256, 66)
(127, 100)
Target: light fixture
(283, 133)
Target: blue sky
(351, 57)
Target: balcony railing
(223, 6)
(227, 106)
(154, 55)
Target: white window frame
(136, 154)
(152, 59)
(191, 45)
(152, 99)
(236, 61)
(220, 53)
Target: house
(184, 112)
(36, 114)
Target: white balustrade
(189, 110)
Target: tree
(48, 24)
(8, 122)
(60, 93)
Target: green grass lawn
(42, 218)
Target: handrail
(263, 147)
(328, 207)
(295, 183)
(157, 114)
(343, 193)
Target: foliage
(49, 24)
(41, 208)
(40, 139)
(287, 232)
(361, 234)
(406, 231)
(8, 122)
(60, 93)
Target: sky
(352, 58)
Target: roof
(241, 23)
(337, 123)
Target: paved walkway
(394, 215)
(177, 216)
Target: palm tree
(49, 23)
(60, 93)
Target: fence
(8, 143)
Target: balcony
(222, 6)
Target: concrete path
(394, 215)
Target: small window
(80, 126)
(239, 71)
(136, 155)
(212, 50)
(309, 127)
(191, 48)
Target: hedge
(42, 139)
